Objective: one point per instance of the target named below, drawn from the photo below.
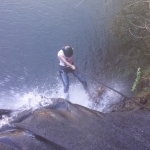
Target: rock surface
(67, 126)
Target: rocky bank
(66, 126)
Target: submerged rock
(4, 112)
(63, 125)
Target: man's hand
(73, 67)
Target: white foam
(5, 120)
(109, 98)
(78, 95)
(21, 102)
(33, 99)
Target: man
(66, 66)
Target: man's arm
(66, 62)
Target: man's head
(68, 51)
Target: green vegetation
(137, 79)
(143, 86)
(132, 28)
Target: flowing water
(32, 32)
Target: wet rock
(140, 103)
(118, 106)
(5, 112)
(130, 104)
(95, 96)
(63, 125)
(5, 147)
(20, 139)
(22, 116)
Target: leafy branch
(138, 75)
